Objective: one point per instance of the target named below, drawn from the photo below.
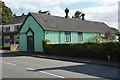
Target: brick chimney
(44, 12)
(23, 14)
(39, 11)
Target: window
(6, 40)
(67, 36)
(17, 27)
(80, 36)
(6, 29)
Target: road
(31, 67)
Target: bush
(17, 41)
(46, 41)
(6, 47)
(88, 49)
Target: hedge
(6, 47)
(88, 49)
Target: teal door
(30, 43)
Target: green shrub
(17, 41)
(88, 49)
(6, 47)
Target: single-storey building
(38, 27)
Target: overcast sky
(95, 10)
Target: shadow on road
(91, 70)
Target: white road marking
(8, 63)
(47, 73)
(51, 74)
(30, 68)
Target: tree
(108, 36)
(0, 12)
(14, 15)
(77, 15)
(114, 29)
(117, 33)
(6, 13)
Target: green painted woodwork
(52, 36)
(87, 36)
(59, 36)
(23, 42)
(38, 35)
(29, 33)
(115, 40)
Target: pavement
(71, 59)
(19, 65)
(3, 51)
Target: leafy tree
(14, 15)
(108, 36)
(77, 15)
(6, 13)
(117, 33)
(0, 12)
(114, 29)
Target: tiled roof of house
(55, 23)
(16, 20)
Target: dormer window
(17, 27)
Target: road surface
(31, 67)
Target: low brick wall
(14, 47)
